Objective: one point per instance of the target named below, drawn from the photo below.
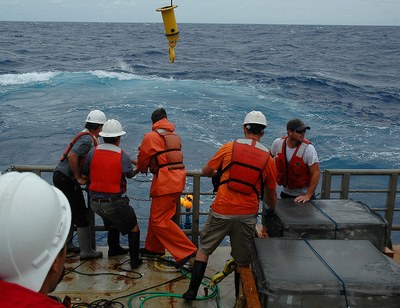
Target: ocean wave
(123, 76)
(13, 79)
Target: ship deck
(156, 283)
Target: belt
(106, 200)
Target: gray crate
(324, 273)
(328, 219)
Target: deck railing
(336, 183)
(345, 189)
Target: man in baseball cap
(296, 162)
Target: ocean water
(343, 81)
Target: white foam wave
(114, 75)
(12, 79)
(122, 75)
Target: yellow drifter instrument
(186, 201)
(171, 28)
(230, 266)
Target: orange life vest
(71, 144)
(296, 173)
(249, 158)
(171, 157)
(106, 170)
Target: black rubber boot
(199, 268)
(70, 245)
(114, 248)
(237, 284)
(134, 244)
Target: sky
(314, 12)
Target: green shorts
(241, 231)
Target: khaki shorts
(241, 230)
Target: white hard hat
(112, 128)
(96, 116)
(35, 218)
(255, 117)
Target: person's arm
(73, 161)
(272, 151)
(314, 179)
(86, 167)
(216, 162)
(271, 198)
(270, 185)
(208, 171)
(82, 147)
(127, 167)
(147, 149)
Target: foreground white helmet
(112, 128)
(255, 117)
(35, 218)
(96, 116)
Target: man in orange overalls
(160, 152)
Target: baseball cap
(296, 124)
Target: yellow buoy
(171, 28)
(186, 202)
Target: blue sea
(343, 81)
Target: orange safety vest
(249, 158)
(106, 170)
(71, 144)
(296, 173)
(172, 156)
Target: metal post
(326, 185)
(390, 205)
(196, 209)
(344, 194)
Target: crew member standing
(108, 167)
(160, 152)
(296, 162)
(68, 178)
(247, 170)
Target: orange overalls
(168, 183)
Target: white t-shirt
(310, 157)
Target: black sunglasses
(300, 131)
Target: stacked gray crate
(324, 273)
(328, 219)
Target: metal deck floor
(111, 278)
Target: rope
(327, 216)
(330, 269)
(5, 171)
(141, 181)
(139, 199)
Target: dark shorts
(116, 213)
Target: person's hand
(302, 199)
(136, 171)
(82, 180)
(134, 162)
